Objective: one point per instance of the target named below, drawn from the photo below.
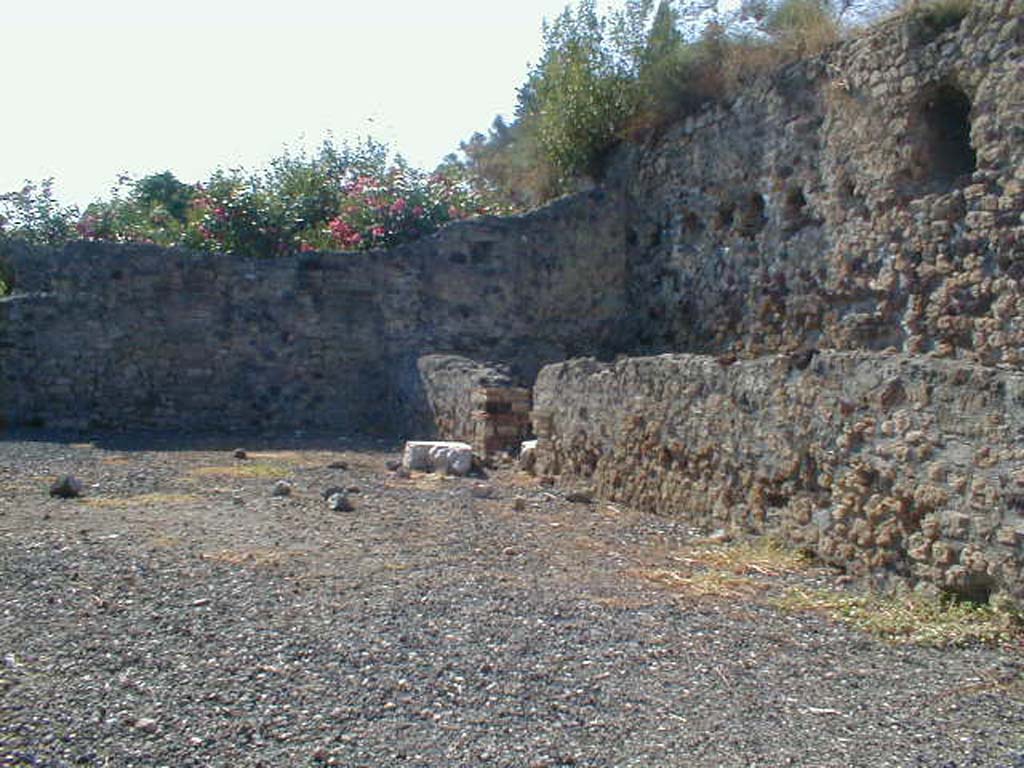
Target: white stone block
(451, 458)
(528, 455)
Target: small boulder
(67, 487)
(338, 502)
(393, 465)
(281, 488)
(337, 465)
(239, 453)
(331, 490)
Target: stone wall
(869, 198)
(103, 335)
(883, 463)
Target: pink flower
(378, 231)
(398, 207)
(417, 211)
(343, 233)
(87, 227)
(306, 248)
(221, 213)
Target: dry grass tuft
(249, 469)
(255, 556)
(763, 557)
(912, 619)
(715, 585)
(733, 571)
(141, 500)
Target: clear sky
(92, 88)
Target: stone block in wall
(501, 418)
(455, 388)
(862, 456)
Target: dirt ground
(180, 613)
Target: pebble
(282, 488)
(239, 453)
(583, 496)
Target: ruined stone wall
(103, 335)
(883, 463)
(869, 198)
(449, 382)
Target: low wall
(877, 462)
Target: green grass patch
(912, 619)
(249, 469)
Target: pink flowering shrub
(338, 198)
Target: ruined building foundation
(798, 313)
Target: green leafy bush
(932, 17)
(34, 215)
(348, 197)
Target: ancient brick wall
(104, 335)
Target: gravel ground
(180, 614)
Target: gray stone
(281, 488)
(580, 496)
(67, 487)
(338, 502)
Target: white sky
(92, 88)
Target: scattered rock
(393, 465)
(447, 457)
(331, 490)
(528, 455)
(337, 465)
(546, 480)
(354, 489)
(67, 487)
(338, 502)
(403, 473)
(282, 488)
(483, 491)
(720, 536)
(147, 724)
(239, 453)
(519, 504)
(582, 496)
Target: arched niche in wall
(942, 155)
